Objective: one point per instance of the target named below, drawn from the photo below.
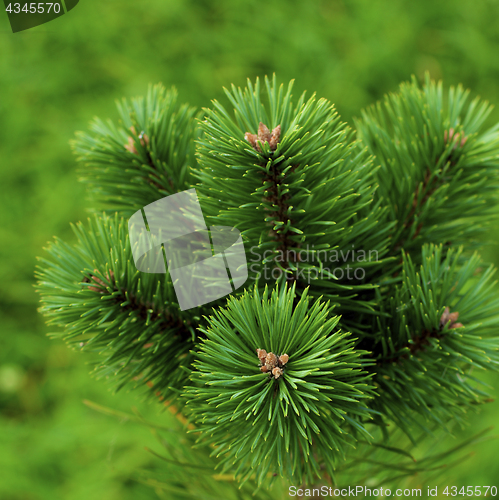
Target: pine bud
(283, 359)
(271, 361)
(264, 135)
(457, 139)
(251, 138)
(101, 286)
(143, 138)
(444, 319)
(448, 317)
(274, 138)
(262, 354)
(131, 146)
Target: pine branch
(148, 156)
(274, 382)
(311, 191)
(438, 168)
(424, 355)
(280, 418)
(94, 292)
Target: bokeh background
(55, 78)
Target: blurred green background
(55, 78)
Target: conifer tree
(367, 310)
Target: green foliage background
(55, 78)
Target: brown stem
(273, 177)
(145, 310)
(420, 342)
(281, 212)
(430, 185)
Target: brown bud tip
(132, 130)
(283, 359)
(456, 141)
(262, 354)
(263, 133)
(146, 346)
(271, 360)
(444, 319)
(251, 138)
(453, 316)
(456, 325)
(144, 139)
(277, 372)
(275, 137)
(101, 284)
(131, 146)
(264, 369)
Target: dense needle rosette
(279, 425)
